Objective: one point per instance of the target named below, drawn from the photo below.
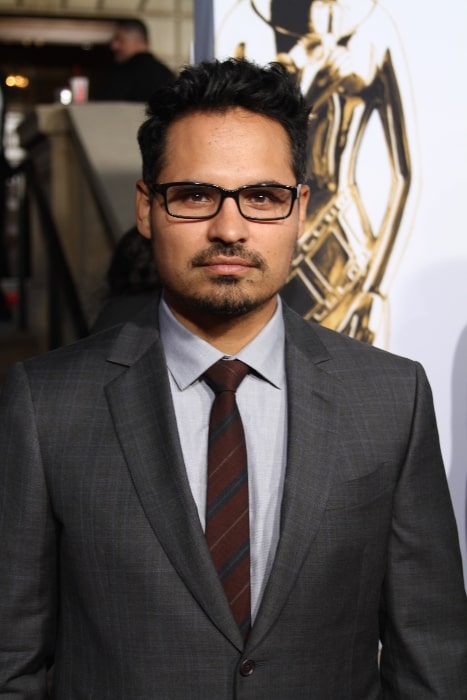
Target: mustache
(234, 250)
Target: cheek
(172, 253)
(165, 262)
(281, 254)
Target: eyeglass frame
(161, 188)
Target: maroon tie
(227, 511)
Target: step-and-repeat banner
(384, 254)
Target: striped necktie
(227, 511)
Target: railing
(62, 295)
(78, 191)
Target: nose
(228, 225)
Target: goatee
(225, 305)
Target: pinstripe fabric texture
(227, 510)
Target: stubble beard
(226, 301)
(229, 298)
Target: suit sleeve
(27, 549)
(424, 608)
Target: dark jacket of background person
(136, 79)
(131, 280)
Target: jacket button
(247, 667)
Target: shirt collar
(189, 356)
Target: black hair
(134, 25)
(216, 86)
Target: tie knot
(226, 375)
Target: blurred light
(19, 81)
(65, 96)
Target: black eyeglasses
(197, 200)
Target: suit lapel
(141, 406)
(311, 455)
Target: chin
(226, 307)
(228, 302)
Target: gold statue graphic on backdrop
(347, 73)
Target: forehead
(235, 142)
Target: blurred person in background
(136, 73)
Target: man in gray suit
(354, 576)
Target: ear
(302, 207)
(143, 209)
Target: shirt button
(247, 667)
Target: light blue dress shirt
(262, 402)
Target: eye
(192, 195)
(264, 197)
(259, 196)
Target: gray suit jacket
(104, 567)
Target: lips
(227, 265)
(228, 260)
(225, 260)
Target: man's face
(125, 44)
(227, 266)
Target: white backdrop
(429, 292)
(428, 289)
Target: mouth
(234, 262)
(227, 265)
